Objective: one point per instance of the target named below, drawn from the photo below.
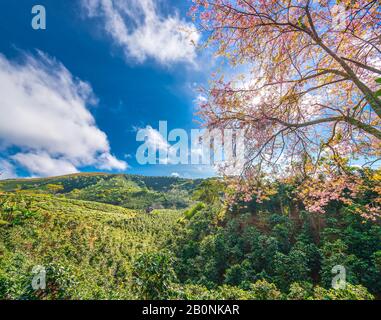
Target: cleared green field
(86, 247)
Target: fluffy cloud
(155, 140)
(138, 27)
(7, 170)
(44, 115)
(42, 164)
(108, 162)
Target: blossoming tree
(309, 95)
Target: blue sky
(73, 95)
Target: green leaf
(378, 80)
(300, 22)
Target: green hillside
(96, 240)
(87, 247)
(129, 191)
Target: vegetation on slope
(129, 191)
(277, 241)
(86, 247)
(93, 250)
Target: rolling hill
(129, 191)
(86, 247)
(95, 239)
(86, 229)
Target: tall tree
(310, 92)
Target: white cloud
(155, 140)
(7, 170)
(44, 114)
(106, 161)
(143, 32)
(175, 174)
(43, 164)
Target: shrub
(350, 292)
(263, 290)
(153, 276)
(300, 291)
(192, 211)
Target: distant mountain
(129, 191)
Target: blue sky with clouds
(73, 95)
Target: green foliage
(227, 292)
(334, 253)
(305, 291)
(300, 291)
(351, 292)
(291, 267)
(192, 292)
(14, 210)
(378, 92)
(198, 292)
(292, 250)
(377, 260)
(192, 211)
(153, 275)
(55, 188)
(237, 273)
(129, 191)
(263, 290)
(91, 233)
(87, 248)
(132, 192)
(209, 191)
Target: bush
(263, 290)
(192, 211)
(191, 292)
(350, 292)
(226, 292)
(300, 291)
(290, 268)
(153, 276)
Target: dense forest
(193, 245)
